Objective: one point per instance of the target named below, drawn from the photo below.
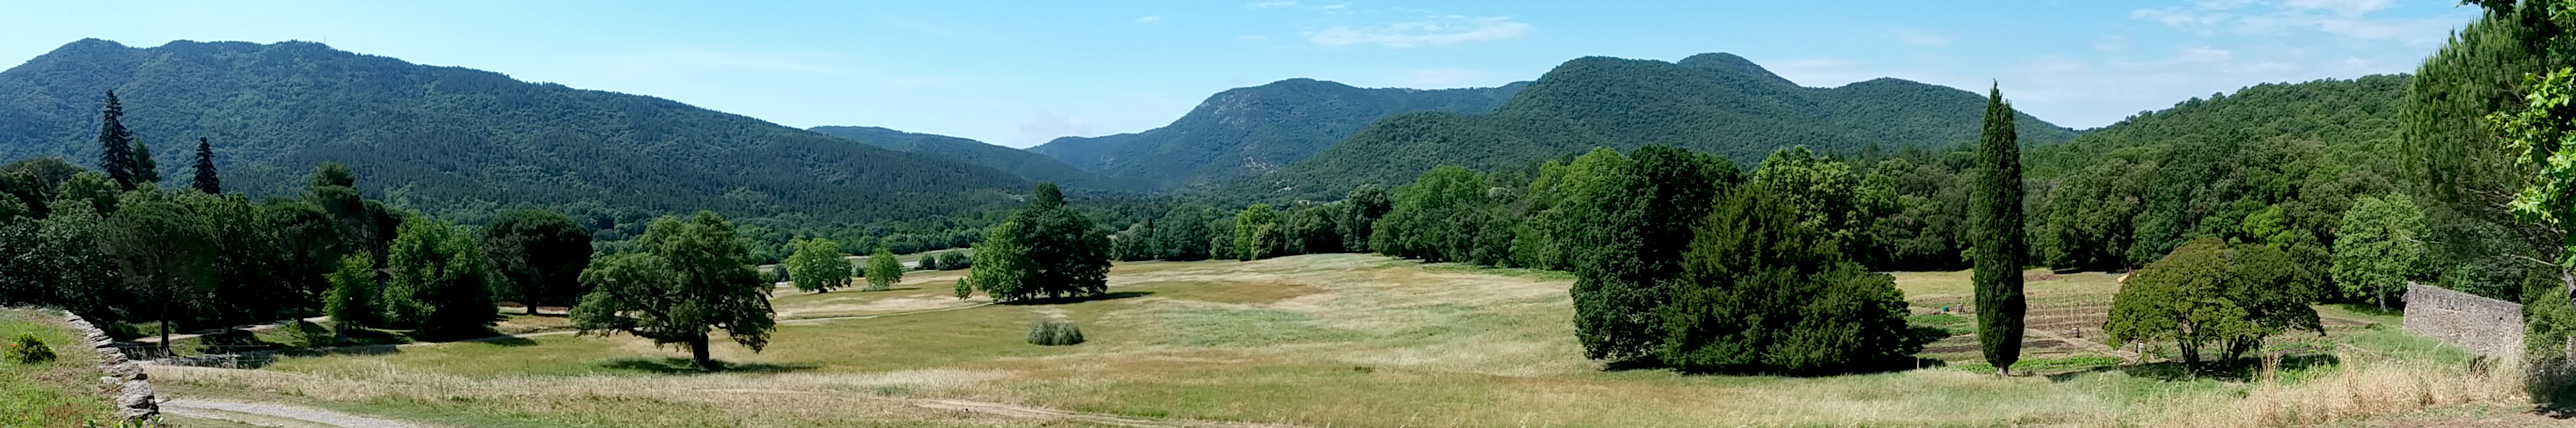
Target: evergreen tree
(693, 276)
(145, 171)
(540, 253)
(883, 270)
(2000, 244)
(164, 248)
(1762, 289)
(115, 144)
(206, 180)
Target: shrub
(1053, 331)
(964, 289)
(28, 350)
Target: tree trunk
(165, 327)
(698, 354)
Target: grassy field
(1337, 340)
(64, 392)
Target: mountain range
(1243, 132)
(456, 138)
(1025, 164)
(1715, 103)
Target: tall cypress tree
(206, 180)
(144, 170)
(115, 145)
(2000, 246)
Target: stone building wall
(2485, 326)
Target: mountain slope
(1026, 165)
(448, 137)
(1715, 103)
(1247, 131)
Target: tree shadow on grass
(1079, 299)
(1882, 366)
(2238, 370)
(682, 366)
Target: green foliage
(437, 280)
(2381, 248)
(448, 141)
(1026, 164)
(164, 248)
(91, 188)
(145, 171)
(540, 253)
(116, 144)
(354, 300)
(2000, 244)
(2208, 293)
(1245, 131)
(1622, 225)
(818, 266)
(1762, 290)
(1715, 103)
(1052, 331)
(691, 278)
(964, 289)
(883, 270)
(1449, 214)
(1044, 251)
(26, 349)
(1257, 233)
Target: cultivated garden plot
(1329, 340)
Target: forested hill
(449, 138)
(1026, 165)
(2274, 163)
(1714, 103)
(1247, 131)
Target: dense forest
(456, 140)
(1025, 164)
(1248, 131)
(1714, 103)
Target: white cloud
(2347, 18)
(1438, 31)
(1048, 126)
(1270, 4)
(1149, 19)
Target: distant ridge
(1024, 164)
(1247, 131)
(439, 138)
(1714, 103)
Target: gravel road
(223, 409)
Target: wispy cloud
(1437, 31)
(2347, 18)
(1149, 19)
(1270, 4)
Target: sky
(1019, 73)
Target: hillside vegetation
(1248, 131)
(1022, 163)
(1712, 103)
(448, 138)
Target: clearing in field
(1334, 340)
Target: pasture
(1341, 340)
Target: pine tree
(2000, 245)
(144, 170)
(115, 145)
(206, 180)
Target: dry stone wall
(134, 399)
(2485, 326)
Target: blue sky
(1019, 73)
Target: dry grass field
(1330, 340)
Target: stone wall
(2485, 326)
(134, 389)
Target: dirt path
(265, 413)
(1046, 414)
(787, 321)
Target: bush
(1052, 331)
(1763, 291)
(964, 289)
(28, 350)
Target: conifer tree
(206, 180)
(115, 145)
(2000, 246)
(144, 170)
